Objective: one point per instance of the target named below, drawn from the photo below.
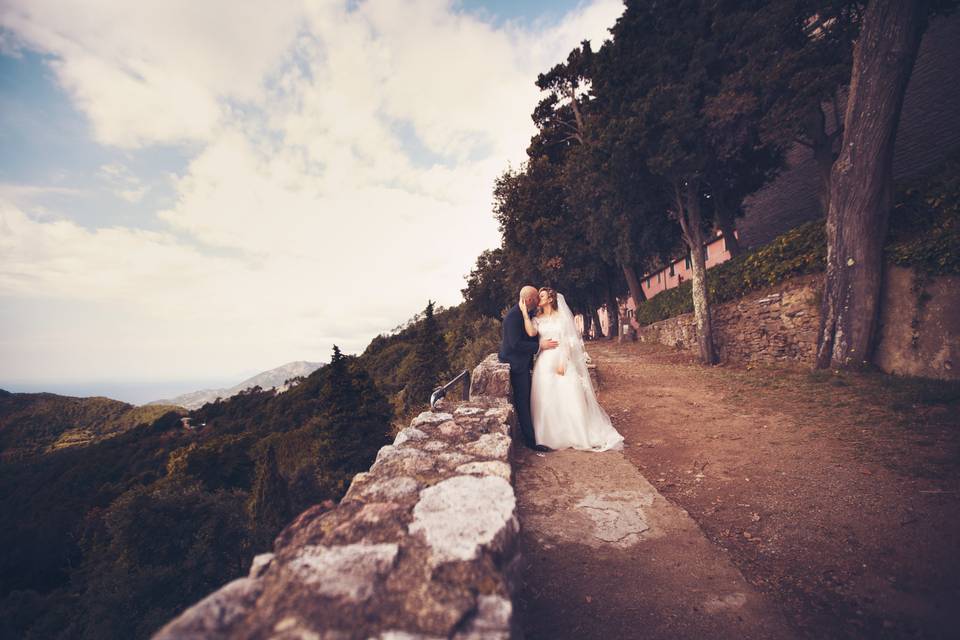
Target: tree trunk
(823, 156)
(587, 321)
(597, 327)
(636, 291)
(861, 188)
(725, 222)
(613, 314)
(688, 212)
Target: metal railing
(441, 392)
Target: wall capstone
(423, 545)
(491, 379)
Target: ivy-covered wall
(797, 252)
(769, 326)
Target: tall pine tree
(356, 420)
(430, 362)
(339, 396)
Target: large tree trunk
(861, 182)
(691, 222)
(636, 291)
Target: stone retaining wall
(919, 339)
(772, 326)
(423, 545)
(780, 325)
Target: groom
(518, 349)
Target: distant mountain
(34, 423)
(274, 378)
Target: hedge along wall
(779, 325)
(798, 252)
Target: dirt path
(606, 556)
(820, 506)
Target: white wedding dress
(564, 408)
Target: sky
(194, 192)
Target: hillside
(35, 423)
(112, 539)
(273, 379)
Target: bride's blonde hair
(551, 296)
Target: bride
(565, 410)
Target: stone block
(347, 571)
(460, 517)
(491, 378)
(215, 615)
(487, 468)
(490, 445)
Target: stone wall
(919, 340)
(423, 545)
(780, 324)
(772, 326)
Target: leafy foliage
(390, 358)
(31, 423)
(925, 223)
(269, 504)
(486, 293)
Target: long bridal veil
(599, 430)
(572, 343)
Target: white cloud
(147, 72)
(123, 183)
(26, 193)
(344, 174)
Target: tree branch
(836, 113)
(681, 216)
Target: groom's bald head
(529, 294)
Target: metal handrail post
(441, 392)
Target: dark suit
(518, 349)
